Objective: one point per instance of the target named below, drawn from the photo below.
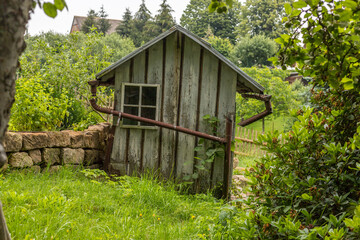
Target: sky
(39, 22)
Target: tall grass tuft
(86, 205)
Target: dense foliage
(259, 17)
(58, 98)
(308, 188)
(96, 20)
(103, 24)
(285, 96)
(254, 51)
(223, 46)
(197, 19)
(126, 26)
(164, 20)
(142, 27)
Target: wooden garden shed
(176, 78)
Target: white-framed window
(141, 100)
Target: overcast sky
(39, 22)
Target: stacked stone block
(51, 150)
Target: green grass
(68, 205)
(245, 161)
(270, 125)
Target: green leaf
(345, 15)
(207, 116)
(198, 148)
(288, 8)
(59, 4)
(229, 3)
(300, 4)
(273, 59)
(50, 9)
(348, 83)
(350, 4)
(213, 6)
(287, 208)
(306, 197)
(317, 28)
(187, 177)
(295, 13)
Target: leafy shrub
(223, 46)
(255, 51)
(308, 179)
(66, 63)
(35, 108)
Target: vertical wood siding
(207, 106)
(168, 114)
(118, 161)
(226, 107)
(188, 107)
(151, 139)
(135, 139)
(193, 83)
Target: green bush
(64, 64)
(255, 51)
(35, 108)
(308, 179)
(223, 46)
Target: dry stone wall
(51, 150)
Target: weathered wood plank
(118, 156)
(170, 106)
(226, 108)
(207, 106)
(188, 107)
(151, 141)
(135, 143)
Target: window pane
(149, 96)
(131, 95)
(133, 111)
(148, 113)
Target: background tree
(126, 26)
(164, 19)
(197, 19)
(254, 51)
(102, 23)
(262, 17)
(223, 46)
(89, 22)
(142, 16)
(150, 31)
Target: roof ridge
(192, 36)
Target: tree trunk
(14, 15)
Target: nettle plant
(206, 151)
(308, 188)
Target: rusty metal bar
(94, 85)
(268, 110)
(227, 162)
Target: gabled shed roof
(256, 87)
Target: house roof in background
(79, 20)
(255, 86)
